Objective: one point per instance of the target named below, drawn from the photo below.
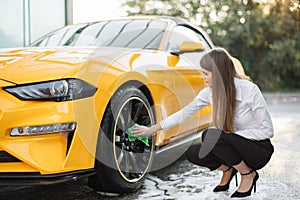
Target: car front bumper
(51, 153)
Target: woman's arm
(200, 101)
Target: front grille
(6, 157)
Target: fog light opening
(45, 129)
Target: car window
(144, 34)
(73, 33)
(130, 32)
(88, 35)
(60, 37)
(110, 32)
(53, 39)
(150, 37)
(180, 34)
(41, 43)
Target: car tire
(122, 165)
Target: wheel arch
(146, 91)
(141, 86)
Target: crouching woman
(239, 140)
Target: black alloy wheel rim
(132, 158)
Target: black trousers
(219, 148)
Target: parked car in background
(68, 101)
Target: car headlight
(58, 90)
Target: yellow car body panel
(172, 83)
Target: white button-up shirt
(252, 119)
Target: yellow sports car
(68, 102)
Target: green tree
(264, 36)
(283, 56)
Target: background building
(24, 21)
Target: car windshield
(145, 34)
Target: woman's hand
(141, 131)
(145, 131)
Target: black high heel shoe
(248, 193)
(221, 188)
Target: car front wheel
(122, 161)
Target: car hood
(28, 65)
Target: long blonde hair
(218, 61)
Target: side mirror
(189, 47)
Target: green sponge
(132, 138)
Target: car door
(184, 82)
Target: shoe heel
(248, 193)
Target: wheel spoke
(134, 162)
(121, 122)
(129, 120)
(146, 120)
(126, 116)
(126, 164)
(138, 111)
(121, 156)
